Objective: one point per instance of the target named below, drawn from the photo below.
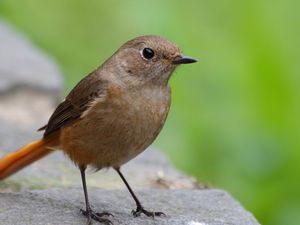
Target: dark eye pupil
(148, 53)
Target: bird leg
(139, 208)
(89, 213)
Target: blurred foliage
(234, 121)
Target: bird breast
(116, 129)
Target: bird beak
(184, 60)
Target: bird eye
(148, 53)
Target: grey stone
(26, 110)
(30, 85)
(23, 65)
(182, 207)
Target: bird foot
(140, 210)
(99, 217)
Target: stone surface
(30, 85)
(23, 65)
(26, 109)
(182, 207)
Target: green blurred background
(234, 122)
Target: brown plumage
(114, 113)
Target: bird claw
(104, 214)
(141, 210)
(90, 214)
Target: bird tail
(26, 155)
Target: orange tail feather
(26, 155)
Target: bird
(111, 116)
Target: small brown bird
(111, 115)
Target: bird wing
(77, 102)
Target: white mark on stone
(196, 223)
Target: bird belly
(111, 135)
